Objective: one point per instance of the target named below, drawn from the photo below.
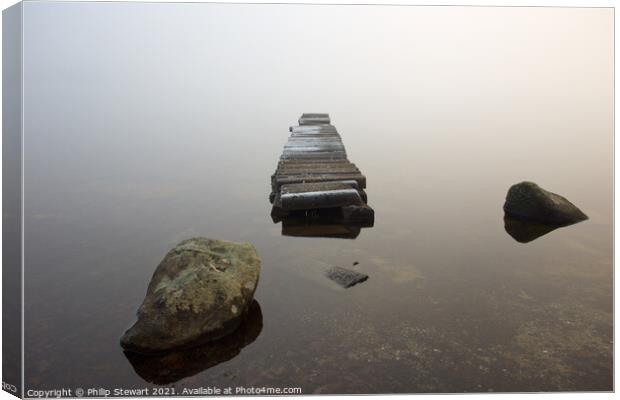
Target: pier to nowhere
(314, 177)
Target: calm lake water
(138, 137)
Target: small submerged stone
(345, 277)
(528, 201)
(198, 293)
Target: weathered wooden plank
(276, 178)
(323, 155)
(313, 129)
(314, 119)
(314, 140)
(287, 179)
(303, 164)
(318, 157)
(315, 134)
(304, 196)
(313, 149)
(315, 115)
(327, 152)
(352, 183)
(316, 170)
(304, 146)
(297, 188)
(324, 136)
(356, 175)
(307, 143)
(299, 162)
(322, 139)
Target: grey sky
(113, 88)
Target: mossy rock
(528, 201)
(198, 293)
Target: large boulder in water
(198, 293)
(528, 201)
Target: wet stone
(528, 201)
(345, 277)
(198, 293)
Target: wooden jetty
(314, 174)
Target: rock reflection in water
(327, 222)
(171, 367)
(527, 231)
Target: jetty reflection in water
(327, 223)
(171, 367)
(527, 231)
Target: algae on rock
(198, 293)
